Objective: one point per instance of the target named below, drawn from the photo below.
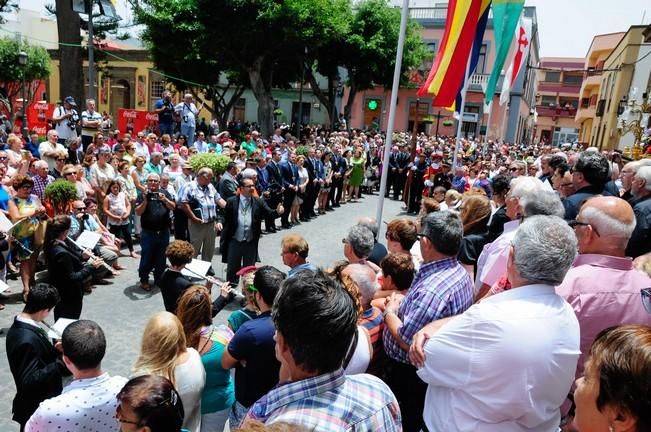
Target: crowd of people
(517, 298)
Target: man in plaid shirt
(440, 289)
(316, 321)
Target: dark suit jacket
(227, 187)
(36, 367)
(259, 211)
(67, 271)
(275, 178)
(289, 174)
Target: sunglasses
(646, 298)
(575, 223)
(61, 160)
(69, 173)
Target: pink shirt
(491, 264)
(604, 291)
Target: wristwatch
(387, 311)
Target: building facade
(628, 66)
(559, 85)
(600, 48)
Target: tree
(6, 6)
(263, 40)
(12, 74)
(370, 52)
(170, 31)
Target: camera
(72, 122)
(85, 216)
(185, 119)
(152, 196)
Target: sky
(566, 27)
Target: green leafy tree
(263, 41)
(371, 47)
(12, 73)
(170, 33)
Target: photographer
(165, 110)
(153, 207)
(66, 119)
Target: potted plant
(427, 120)
(278, 112)
(448, 123)
(58, 196)
(302, 151)
(216, 162)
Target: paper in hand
(196, 268)
(88, 239)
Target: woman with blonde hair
(194, 310)
(163, 352)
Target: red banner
(134, 121)
(38, 115)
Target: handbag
(39, 233)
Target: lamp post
(22, 60)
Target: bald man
(603, 287)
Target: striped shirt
(331, 402)
(440, 289)
(373, 321)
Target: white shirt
(504, 365)
(85, 404)
(62, 128)
(491, 264)
(190, 379)
(141, 149)
(46, 146)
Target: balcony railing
(480, 80)
(433, 13)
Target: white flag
(522, 42)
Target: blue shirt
(301, 267)
(440, 289)
(257, 370)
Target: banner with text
(134, 121)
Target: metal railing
(433, 13)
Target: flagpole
(490, 115)
(392, 111)
(464, 90)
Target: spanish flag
(447, 74)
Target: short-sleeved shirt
(254, 344)
(202, 200)
(165, 117)
(156, 216)
(88, 116)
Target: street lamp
(22, 60)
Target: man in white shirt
(89, 401)
(507, 363)
(66, 118)
(200, 144)
(140, 146)
(91, 123)
(50, 149)
(188, 113)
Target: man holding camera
(66, 118)
(153, 207)
(165, 110)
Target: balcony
(478, 82)
(558, 87)
(547, 111)
(433, 13)
(590, 82)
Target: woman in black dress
(66, 268)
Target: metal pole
(91, 53)
(461, 109)
(392, 111)
(490, 115)
(438, 119)
(25, 123)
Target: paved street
(122, 309)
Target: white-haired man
(50, 148)
(492, 368)
(188, 112)
(91, 122)
(640, 242)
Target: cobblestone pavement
(122, 308)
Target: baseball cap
(70, 100)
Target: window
(548, 100)
(552, 76)
(430, 56)
(573, 80)
(156, 89)
(481, 60)
(574, 103)
(585, 102)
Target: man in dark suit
(243, 216)
(274, 187)
(393, 170)
(291, 182)
(227, 186)
(338, 171)
(35, 364)
(402, 161)
(312, 165)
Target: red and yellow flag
(447, 74)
